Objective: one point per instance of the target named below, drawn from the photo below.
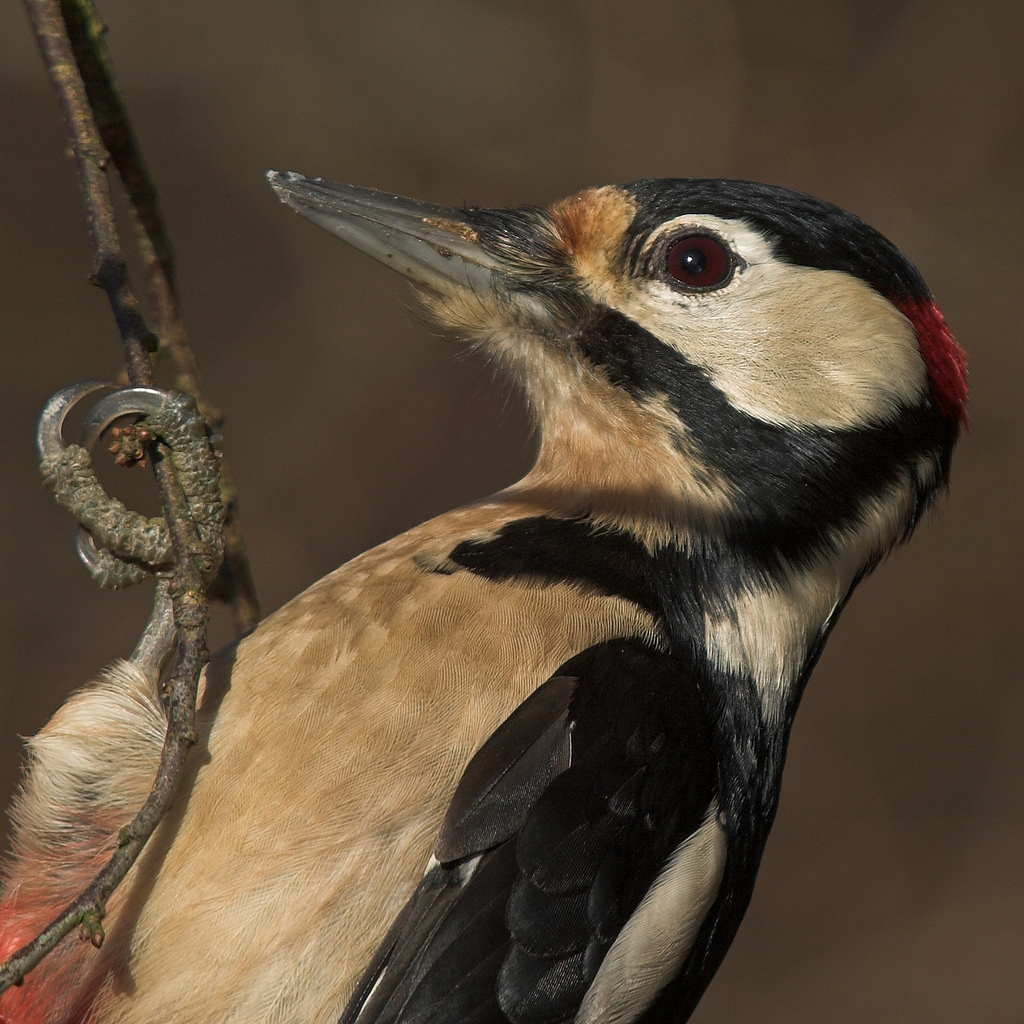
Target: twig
(234, 584)
(109, 270)
(187, 585)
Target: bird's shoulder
(456, 589)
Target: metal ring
(123, 402)
(50, 428)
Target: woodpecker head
(723, 360)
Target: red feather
(943, 357)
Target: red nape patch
(943, 357)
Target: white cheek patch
(788, 344)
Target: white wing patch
(655, 941)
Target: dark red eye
(699, 261)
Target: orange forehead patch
(590, 226)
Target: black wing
(561, 823)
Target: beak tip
(282, 183)
(431, 245)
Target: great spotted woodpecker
(519, 764)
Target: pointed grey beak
(434, 246)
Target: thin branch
(187, 585)
(109, 270)
(86, 31)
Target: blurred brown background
(893, 886)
